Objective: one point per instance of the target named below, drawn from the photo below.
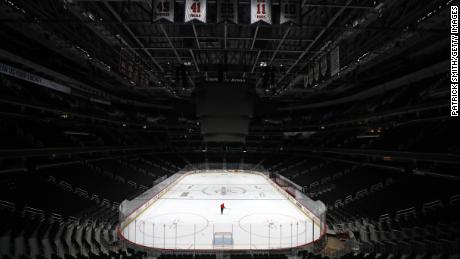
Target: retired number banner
(261, 10)
(289, 11)
(310, 76)
(316, 70)
(227, 10)
(335, 61)
(163, 9)
(324, 59)
(195, 10)
(305, 81)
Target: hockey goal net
(222, 240)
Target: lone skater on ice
(222, 207)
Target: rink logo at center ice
(219, 190)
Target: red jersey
(222, 206)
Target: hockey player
(222, 207)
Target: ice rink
(188, 216)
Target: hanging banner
(141, 78)
(227, 10)
(163, 9)
(335, 61)
(195, 10)
(126, 61)
(261, 10)
(289, 11)
(316, 70)
(135, 72)
(130, 70)
(324, 65)
(146, 80)
(133, 68)
(310, 76)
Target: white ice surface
(188, 215)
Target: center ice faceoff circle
(221, 190)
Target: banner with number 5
(195, 10)
(261, 10)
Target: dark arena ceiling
(391, 73)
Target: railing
(164, 235)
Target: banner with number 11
(261, 10)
